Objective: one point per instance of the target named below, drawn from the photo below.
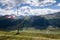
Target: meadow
(30, 35)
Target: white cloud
(44, 11)
(7, 12)
(40, 2)
(28, 11)
(11, 3)
(58, 4)
(47, 2)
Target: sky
(29, 7)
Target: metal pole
(17, 23)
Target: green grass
(29, 35)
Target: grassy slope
(29, 35)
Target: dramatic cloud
(8, 4)
(58, 4)
(6, 7)
(28, 11)
(40, 2)
(47, 2)
(7, 12)
(43, 11)
(12, 3)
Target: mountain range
(52, 16)
(38, 22)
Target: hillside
(46, 27)
(37, 22)
(54, 19)
(52, 16)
